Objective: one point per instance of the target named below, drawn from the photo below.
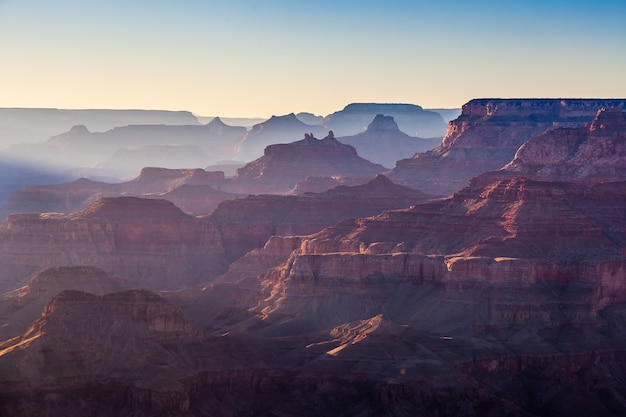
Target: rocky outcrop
(21, 307)
(412, 119)
(248, 222)
(150, 242)
(284, 165)
(383, 143)
(486, 137)
(278, 129)
(134, 337)
(594, 152)
(512, 235)
(199, 197)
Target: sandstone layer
(150, 242)
(486, 136)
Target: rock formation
(278, 129)
(412, 119)
(21, 307)
(486, 137)
(594, 152)
(151, 183)
(80, 147)
(148, 241)
(506, 298)
(22, 125)
(247, 223)
(284, 165)
(383, 143)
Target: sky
(242, 58)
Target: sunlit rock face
(486, 136)
(514, 236)
(284, 165)
(150, 242)
(384, 143)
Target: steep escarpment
(513, 237)
(150, 242)
(284, 165)
(486, 136)
(594, 152)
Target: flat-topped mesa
(486, 136)
(136, 208)
(411, 119)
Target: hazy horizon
(246, 59)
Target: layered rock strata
(486, 136)
(150, 242)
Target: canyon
(487, 135)
(484, 277)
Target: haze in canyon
(314, 209)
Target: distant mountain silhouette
(278, 129)
(383, 143)
(411, 119)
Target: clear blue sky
(259, 58)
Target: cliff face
(512, 237)
(594, 152)
(486, 136)
(248, 222)
(150, 242)
(384, 143)
(283, 165)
